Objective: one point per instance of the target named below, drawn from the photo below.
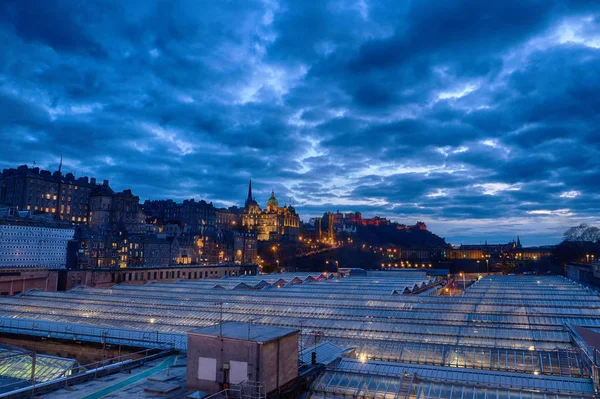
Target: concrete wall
(276, 360)
(14, 281)
(17, 281)
(139, 276)
(279, 362)
(583, 274)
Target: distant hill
(411, 237)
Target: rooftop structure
(234, 353)
(507, 335)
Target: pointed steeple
(60, 165)
(518, 242)
(249, 199)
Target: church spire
(60, 165)
(249, 199)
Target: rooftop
(245, 331)
(502, 331)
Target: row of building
(96, 205)
(28, 240)
(511, 251)
(106, 229)
(343, 221)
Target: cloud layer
(480, 118)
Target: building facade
(245, 247)
(275, 223)
(40, 191)
(196, 215)
(228, 218)
(27, 242)
(109, 210)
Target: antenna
(221, 320)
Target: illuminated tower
(330, 230)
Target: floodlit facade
(505, 337)
(274, 223)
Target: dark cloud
(480, 118)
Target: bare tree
(582, 233)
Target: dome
(272, 203)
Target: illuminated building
(244, 247)
(41, 191)
(274, 223)
(330, 227)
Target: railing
(228, 393)
(88, 333)
(243, 390)
(589, 355)
(85, 373)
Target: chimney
(93, 181)
(105, 182)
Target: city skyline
(479, 119)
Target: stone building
(119, 249)
(197, 216)
(245, 247)
(163, 210)
(109, 209)
(275, 223)
(229, 218)
(41, 191)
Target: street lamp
(464, 284)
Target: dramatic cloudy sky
(481, 118)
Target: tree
(582, 233)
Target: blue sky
(479, 118)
